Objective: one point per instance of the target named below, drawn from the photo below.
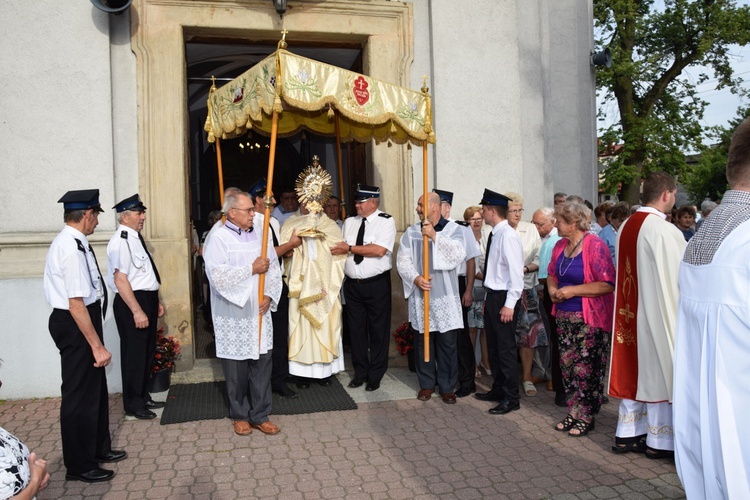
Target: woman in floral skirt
(581, 280)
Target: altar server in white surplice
(712, 353)
(233, 266)
(447, 251)
(648, 252)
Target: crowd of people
(619, 291)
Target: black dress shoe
(560, 400)
(356, 382)
(464, 391)
(487, 396)
(505, 406)
(325, 382)
(286, 392)
(93, 476)
(113, 456)
(303, 383)
(142, 414)
(372, 386)
(154, 405)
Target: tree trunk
(631, 191)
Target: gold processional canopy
(305, 94)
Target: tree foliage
(660, 108)
(708, 179)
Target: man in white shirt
(368, 243)
(503, 279)
(135, 279)
(74, 287)
(287, 207)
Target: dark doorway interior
(245, 159)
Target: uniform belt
(367, 280)
(490, 291)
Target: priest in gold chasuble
(314, 277)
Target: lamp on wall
(116, 7)
(602, 58)
(280, 6)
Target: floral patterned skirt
(583, 358)
(530, 331)
(475, 315)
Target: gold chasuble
(314, 277)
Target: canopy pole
(267, 216)
(339, 161)
(221, 173)
(425, 256)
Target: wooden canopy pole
(221, 173)
(425, 256)
(339, 162)
(267, 216)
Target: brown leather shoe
(242, 428)
(267, 428)
(425, 394)
(449, 398)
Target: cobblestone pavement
(388, 449)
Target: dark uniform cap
(258, 189)
(82, 199)
(445, 196)
(495, 199)
(132, 203)
(365, 192)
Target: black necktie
(156, 271)
(360, 241)
(486, 257)
(101, 281)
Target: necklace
(560, 271)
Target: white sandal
(528, 388)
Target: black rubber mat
(208, 401)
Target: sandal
(566, 424)
(626, 445)
(478, 373)
(528, 388)
(582, 427)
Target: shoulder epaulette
(351, 215)
(384, 215)
(461, 223)
(124, 235)
(79, 244)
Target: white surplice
(446, 253)
(234, 293)
(712, 371)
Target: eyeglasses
(516, 211)
(475, 219)
(248, 210)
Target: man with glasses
(74, 287)
(368, 244)
(135, 279)
(233, 266)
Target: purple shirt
(570, 273)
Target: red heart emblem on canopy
(361, 94)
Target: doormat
(208, 401)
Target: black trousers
(554, 347)
(280, 352)
(501, 344)
(84, 410)
(368, 313)
(137, 348)
(466, 359)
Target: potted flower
(167, 351)
(404, 337)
